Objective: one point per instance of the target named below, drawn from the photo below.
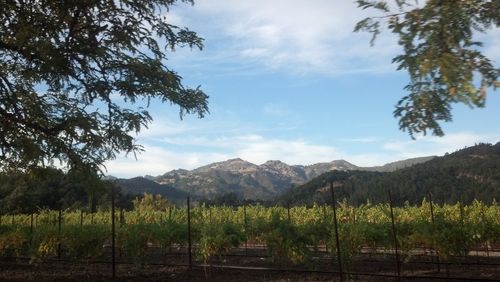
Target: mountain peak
(320, 168)
(283, 170)
(232, 165)
(273, 163)
(236, 160)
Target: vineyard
(345, 242)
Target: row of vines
(291, 236)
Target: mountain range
(242, 178)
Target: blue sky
(289, 80)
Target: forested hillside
(470, 173)
(140, 185)
(50, 188)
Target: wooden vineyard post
(288, 212)
(31, 228)
(337, 241)
(462, 222)
(170, 220)
(189, 234)
(113, 235)
(122, 221)
(59, 223)
(210, 214)
(122, 217)
(432, 221)
(398, 267)
(353, 215)
(81, 218)
(31, 223)
(246, 228)
(325, 219)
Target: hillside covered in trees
(465, 175)
(50, 188)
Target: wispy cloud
(259, 150)
(361, 140)
(277, 110)
(158, 160)
(162, 127)
(301, 37)
(431, 145)
(491, 40)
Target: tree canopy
(441, 55)
(76, 78)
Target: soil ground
(156, 269)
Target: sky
(290, 81)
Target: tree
(150, 202)
(71, 73)
(444, 62)
(50, 188)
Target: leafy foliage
(440, 55)
(453, 230)
(12, 241)
(45, 243)
(68, 81)
(285, 243)
(135, 239)
(50, 188)
(85, 243)
(151, 203)
(217, 240)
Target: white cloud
(296, 36)
(361, 140)
(277, 110)
(288, 151)
(255, 52)
(492, 43)
(162, 127)
(158, 160)
(432, 145)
